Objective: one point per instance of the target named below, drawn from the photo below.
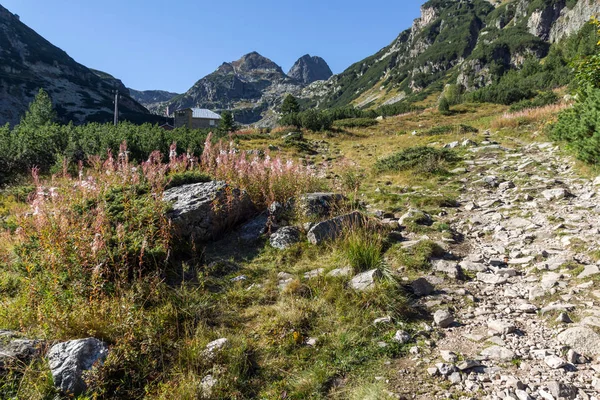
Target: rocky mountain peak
(310, 69)
(255, 62)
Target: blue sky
(169, 45)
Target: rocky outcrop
(572, 20)
(310, 69)
(204, 211)
(28, 62)
(70, 360)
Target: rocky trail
(524, 323)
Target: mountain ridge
(30, 62)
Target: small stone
(383, 320)
(433, 371)
(455, 378)
(285, 238)
(401, 337)
(443, 318)
(311, 341)
(365, 280)
(448, 356)
(215, 346)
(421, 287)
(564, 318)
(555, 194)
(314, 273)
(555, 362)
(207, 384)
(468, 364)
(340, 272)
(498, 353)
(445, 369)
(506, 185)
(491, 279)
(501, 327)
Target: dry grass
(528, 116)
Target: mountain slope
(470, 43)
(154, 100)
(310, 69)
(29, 62)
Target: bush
(429, 159)
(541, 100)
(444, 106)
(354, 123)
(579, 127)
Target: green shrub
(541, 100)
(579, 127)
(444, 106)
(429, 159)
(354, 123)
(439, 130)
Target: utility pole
(116, 107)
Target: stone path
(531, 226)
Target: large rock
(319, 205)
(581, 339)
(332, 228)
(285, 237)
(204, 211)
(69, 360)
(19, 350)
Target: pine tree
(227, 123)
(41, 112)
(290, 105)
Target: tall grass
(528, 116)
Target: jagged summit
(310, 69)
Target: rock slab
(69, 360)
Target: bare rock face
(572, 20)
(69, 360)
(310, 69)
(204, 211)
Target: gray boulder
(319, 204)
(285, 237)
(69, 360)
(19, 350)
(332, 228)
(204, 211)
(581, 339)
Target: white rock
(555, 362)
(401, 337)
(365, 281)
(443, 318)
